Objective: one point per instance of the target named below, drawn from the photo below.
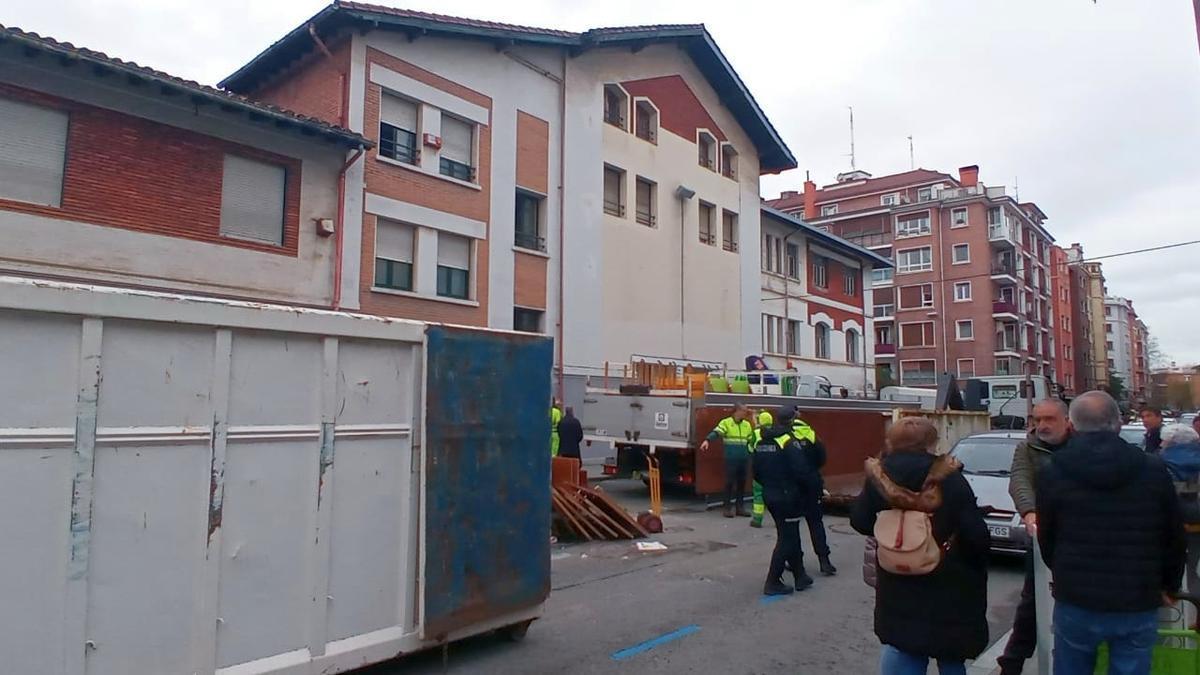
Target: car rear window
(987, 456)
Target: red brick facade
(432, 192)
(963, 319)
(135, 174)
(316, 87)
(679, 109)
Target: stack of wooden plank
(589, 514)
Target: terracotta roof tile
(444, 18)
(68, 50)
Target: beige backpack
(904, 533)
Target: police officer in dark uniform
(785, 474)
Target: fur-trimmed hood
(925, 470)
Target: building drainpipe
(340, 221)
(787, 292)
(941, 283)
(561, 80)
(562, 194)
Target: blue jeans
(1078, 633)
(895, 662)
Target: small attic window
(645, 120)
(706, 145)
(616, 105)
(729, 158)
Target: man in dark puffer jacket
(1111, 531)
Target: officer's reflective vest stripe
(555, 418)
(803, 432)
(734, 432)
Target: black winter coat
(570, 435)
(1109, 525)
(784, 473)
(942, 614)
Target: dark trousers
(735, 479)
(816, 525)
(787, 553)
(1023, 642)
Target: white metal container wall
(168, 491)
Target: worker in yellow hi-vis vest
(735, 432)
(814, 453)
(759, 508)
(555, 418)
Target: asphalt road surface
(697, 607)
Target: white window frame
(651, 218)
(850, 281)
(925, 194)
(959, 285)
(820, 271)
(900, 369)
(34, 147)
(829, 210)
(472, 162)
(622, 198)
(729, 160)
(933, 334)
(958, 330)
(232, 229)
(712, 234)
(959, 367)
(966, 217)
(927, 301)
(817, 341)
(652, 129)
(890, 199)
(924, 225)
(954, 254)
(852, 355)
(904, 268)
(712, 159)
(624, 95)
(793, 269)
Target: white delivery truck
(190, 485)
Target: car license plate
(1000, 531)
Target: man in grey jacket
(1051, 429)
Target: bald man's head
(1095, 411)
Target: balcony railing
(1002, 232)
(884, 310)
(1009, 269)
(729, 245)
(885, 349)
(1006, 345)
(530, 241)
(1003, 307)
(871, 239)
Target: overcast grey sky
(1093, 108)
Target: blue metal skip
(487, 476)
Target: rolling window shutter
(399, 112)
(252, 195)
(456, 140)
(394, 241)
(33, 145)
(454, 251)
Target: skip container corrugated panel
(190, 485)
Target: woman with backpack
(932, 550)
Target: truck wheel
(516, 632)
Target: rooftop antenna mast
(852, 164)
(1016, 188)
(912, 162)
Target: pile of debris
(589, 514)
(581, 512)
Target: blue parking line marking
(646, 646)
(772, 599)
